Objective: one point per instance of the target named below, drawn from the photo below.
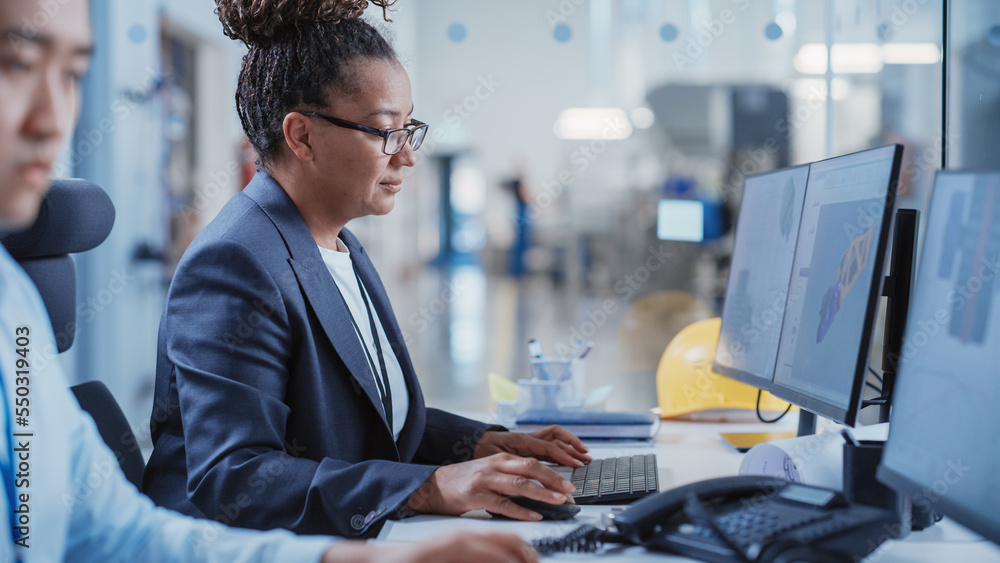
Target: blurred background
(557, 128)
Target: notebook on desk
(593, 425)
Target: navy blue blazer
(266, 414)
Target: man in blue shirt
(64, 497)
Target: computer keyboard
(615, 479)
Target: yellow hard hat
(652, 320)
(685, 381)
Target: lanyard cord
(7, 468)
(382, 376)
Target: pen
(535, 350)
(568, 372)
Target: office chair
(75, 216)
(95, 398)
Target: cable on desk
(773, 420)
(584, 539)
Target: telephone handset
(745, 519)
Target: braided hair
(299, 51)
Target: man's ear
(298, 130)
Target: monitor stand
(807, 422)
(896, 289)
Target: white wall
(118, 320)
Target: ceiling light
(593, 123)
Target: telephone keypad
(747, 527)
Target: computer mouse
(548, 511)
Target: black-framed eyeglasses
(393, 140)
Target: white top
(340, 266)
(79, 505)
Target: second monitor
(764, 244)
(836, 282)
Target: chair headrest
(75, 216)
(55, 278)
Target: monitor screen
(766, 229)
(836, 282)
(942, 449)
(680, 219)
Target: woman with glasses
(285, 396)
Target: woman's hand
(487, 483)
(552, 443)
(455, 547)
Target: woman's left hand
(552, 443)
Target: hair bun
(257, 21)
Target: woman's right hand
(454, 547)
(488, 483)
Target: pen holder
(536, 394)
(554, 384)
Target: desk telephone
(743, 519)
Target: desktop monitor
(680, 219)
(836, 282)
(763, 247)
(942, 448)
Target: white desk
(688, 452)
